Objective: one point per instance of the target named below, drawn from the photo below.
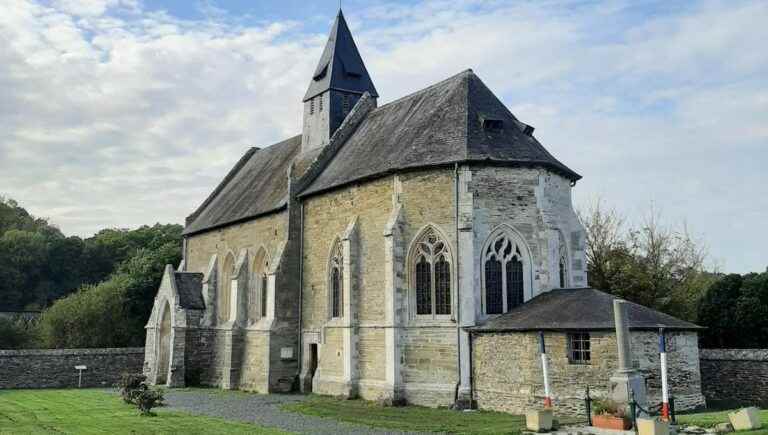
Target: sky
(119, 113)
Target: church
(409, 252)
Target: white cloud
(115, 115)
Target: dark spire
(341, 67)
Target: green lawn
(99, 412)
(410, 418)
(709, 419)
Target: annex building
(408, 252)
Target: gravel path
(261, 409)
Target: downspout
(458, 281)
(300, 350)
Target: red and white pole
(664, 385)
(545, 370)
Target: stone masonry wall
(537, 204)
(507, 370)
(55, 368)
(735, 375)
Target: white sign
(80, 367)
(286, 353)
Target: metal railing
(634, 409)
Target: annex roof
(189, 286)
(578, 309)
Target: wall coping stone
(62, 352)
(734, 354)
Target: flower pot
(651, 426)
(539, 420)
(605, 421)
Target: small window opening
(493, 124)
(579, 348)
(528, 130)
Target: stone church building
(408, 252)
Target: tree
(735, 312)
(655, 265)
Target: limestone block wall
(428, 347)
(735, 375)
(326, 218)
(55, 368)
(507, 370)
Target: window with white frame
(579, 348)
(431, 275)
(503, 273)
(335, 281)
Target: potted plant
(608, 414)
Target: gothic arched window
(431, 274)
(224, 301)
(504, 274)
(335, 281)
(258, 291)
(263, 295)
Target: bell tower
(339, 80)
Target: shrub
(147, 399)
(131, 385)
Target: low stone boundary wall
(735, 376)
(55, 368)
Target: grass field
(709, 419)
(410, 418)
(98, 412)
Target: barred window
(264, 295)
(321, 102)
(431, 275)
(336, 283)
(562, 265)
(494, 298)
(562, 272)
(514, 283)
(579, 348)
(423, 286)
(311, 106)
(504, 277)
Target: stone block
(539, 420)
(651, 426)
(745, 419)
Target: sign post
(545, 370)
(664, 384)
(80, 375)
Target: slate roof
(578, 309)
(190, 288)
(340, 66)
(258, 184)
(439, 125)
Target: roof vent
(528, 130)
(493, 124)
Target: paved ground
(260, 409)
